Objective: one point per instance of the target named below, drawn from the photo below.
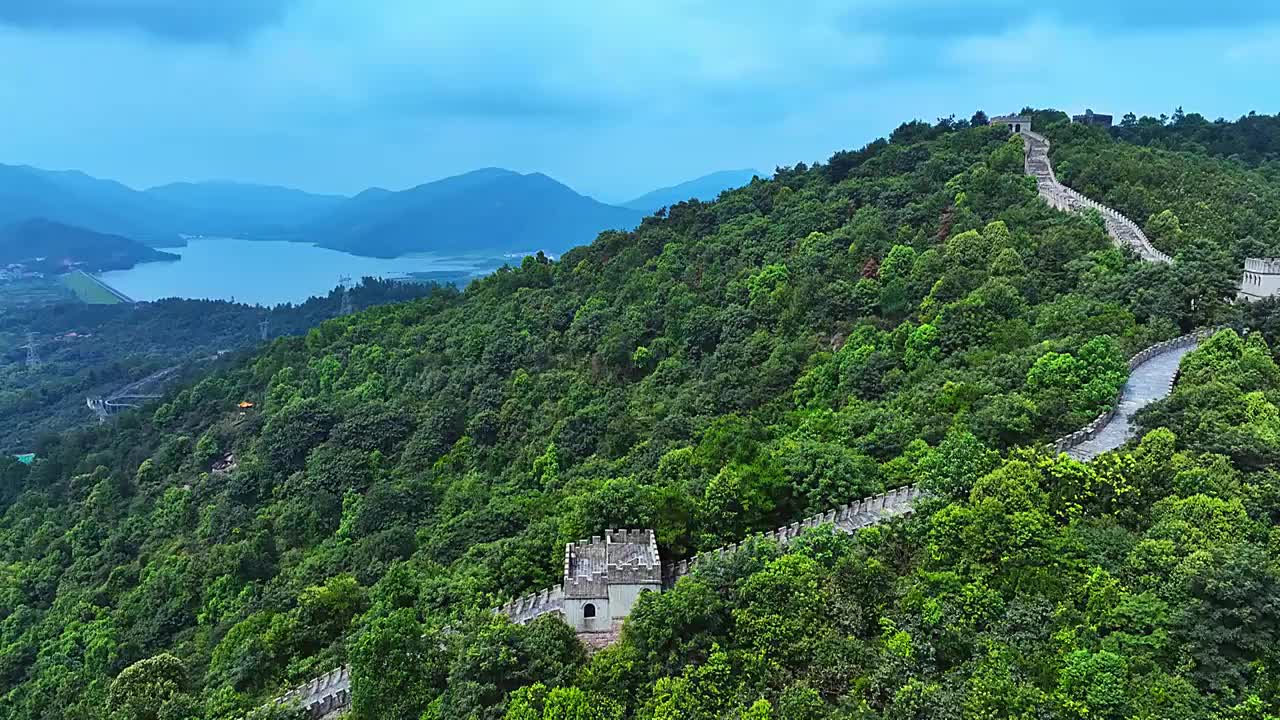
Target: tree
(152, 689)
(397, 668)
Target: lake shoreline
(272, 272)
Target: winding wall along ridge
(1153, 370)
(1152, 373)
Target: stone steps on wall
(1123, 231)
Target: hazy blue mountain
(55, 247)
(484, 210)
(705, 188)
(73, 198)
(244, 209)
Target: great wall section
(1122, 230)
(1152, 374)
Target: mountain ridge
(704, 188)
(912, 311)
(52, 246)
(486, 209)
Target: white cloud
(624, 96)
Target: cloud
(939, 18)
(336, 95)
(179, 20)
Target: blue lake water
(270, 272)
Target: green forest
(92, 350)
(910, 311)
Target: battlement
(534, 605)
(321, 695)
(1262, 266)
(624, 537)
(1069, 443)
(848, 518)
(1017, 123)
(594, 585)
(619, 557)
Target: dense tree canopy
(908, 311)
(87, 350)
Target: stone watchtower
(1016, 123)
(604, 577)
(1261, 279)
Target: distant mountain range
(488, 210)
(73, 198)
(485, 210)
(705, 188)
(50, 246)
(243, 209)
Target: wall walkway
(1152, 374)
(1122, 230)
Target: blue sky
(613, 98)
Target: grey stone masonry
(1016, 123)
(1123, 231)
(1260, 279)
(847, 518)
(1152, 374)
(617, 557)
(534, 605)
(322, 695)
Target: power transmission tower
(264, 328)
(345, 308)
(33, 358)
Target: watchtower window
(589, 610)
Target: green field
(34, 291)
(89, 290)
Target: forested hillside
(93, 350)
(911, 310)
(1253, 140)
(47, 246)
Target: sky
(612, 97)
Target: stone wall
(534, 605)
(322, 695)
(846, 518)
(1090, 431)
(1122, 230)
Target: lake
(273, 272)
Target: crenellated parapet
(848, 518)
(534, 605)
(593, 585)
(1263, 266)
(1122, 230)
(1142, 388)
(321, 695)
